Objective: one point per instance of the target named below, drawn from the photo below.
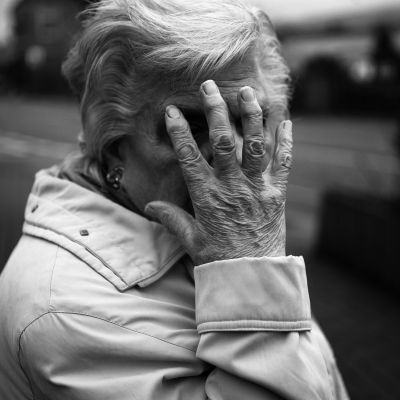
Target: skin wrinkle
(252, 232)
(240, 200)
(122, 109)
(224, 198)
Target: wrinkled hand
(239, 209)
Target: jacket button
(84, 232)
(34, 208)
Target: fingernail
(209, 88)
(247, 94)
(173, 112)
(287, 125)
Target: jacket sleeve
(254, 320)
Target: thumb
(174, 218)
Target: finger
(175, 219)
(192, 163)
(269, 143)
(221, 135)
(282, 161)
(253, 135)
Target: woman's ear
(114, 158)
(114, 154)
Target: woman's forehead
(188, 97)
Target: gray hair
(129, 49)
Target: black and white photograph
(200, 199)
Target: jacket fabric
(97, 302)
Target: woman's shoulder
(25, 283)
(53, 280)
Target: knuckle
(255, 146)
(275, 198)
(286, 160)
(279, 198)
(187, 152)
(224, 142)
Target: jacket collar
(123, 247)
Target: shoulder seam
(19, 354)
(101, 319)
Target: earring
(114, 177)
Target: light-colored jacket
(99, 303)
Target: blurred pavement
(360, 318)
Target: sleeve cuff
(252, 294)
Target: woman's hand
(239, 209)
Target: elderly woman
(152, 265)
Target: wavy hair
(130, 49)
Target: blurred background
(343, 210)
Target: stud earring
(114, 177)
